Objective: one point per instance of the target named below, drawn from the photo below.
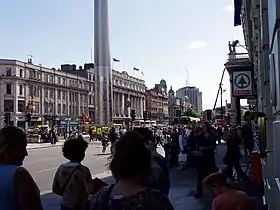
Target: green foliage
(190, 112)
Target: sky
(176, 40)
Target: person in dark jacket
(206, 164)
(233, 155)
(162, 182)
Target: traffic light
(28, 118)
(133, 115)
(7, 118)
(145, 115)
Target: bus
(147, 123)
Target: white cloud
(229, 8)
(197, 45)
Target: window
(63, 95)
(20, 90)
(63, 109)
(51, 94)
(46, 93)
(63, 81)
(8, 71)
(89, 98)
(21, 73)
(51, 79)
(46, 106)
(58, 94)
(21, 106)
(46, 78)
(8, 88)
(58, 108)
(8, 105)
(59, 80)
(89, 76)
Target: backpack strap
(105, 201)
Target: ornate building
(51, 96)
(157, 103)
(176, 105)
(128, 92)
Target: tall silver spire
(102, 64)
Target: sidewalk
(183, 188)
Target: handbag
(68, 179)
(182, 158)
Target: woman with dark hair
(161, 180)
(17, 187)
(233, 155)
(206, 145)
(131, 165)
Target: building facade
(193, 94)
(128, 92)
(176, 105)
(157, 103)
(260, 23)
(157, 106)
(50, 95)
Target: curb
(42, 147)
(49, 145)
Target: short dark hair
(215, 180)
(132, 159)
(74, 149)
(10, 136)
(145, 133)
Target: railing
(238, 56)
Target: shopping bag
(182, 158)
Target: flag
(135, 69)
(142, 73)
(116, 60)
(237, 12)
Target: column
(129, 98)
(138, 107)
(119, 104)
(16, 93)
(115, 103)
(79, 105)
(144, 104)
(55, 102)
(141, 107)
(122, 104)
(67, 103)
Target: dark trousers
(234, 163)
(166, 148)
(205, 166)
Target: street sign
(242, 83)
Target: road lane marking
(100, 176)
(47, 169)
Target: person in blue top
(18, 190)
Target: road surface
(43, 162)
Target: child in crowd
(225, 197)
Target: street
(43, 162)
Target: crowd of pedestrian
(141, 173)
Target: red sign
(86, 119)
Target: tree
(190, 112)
